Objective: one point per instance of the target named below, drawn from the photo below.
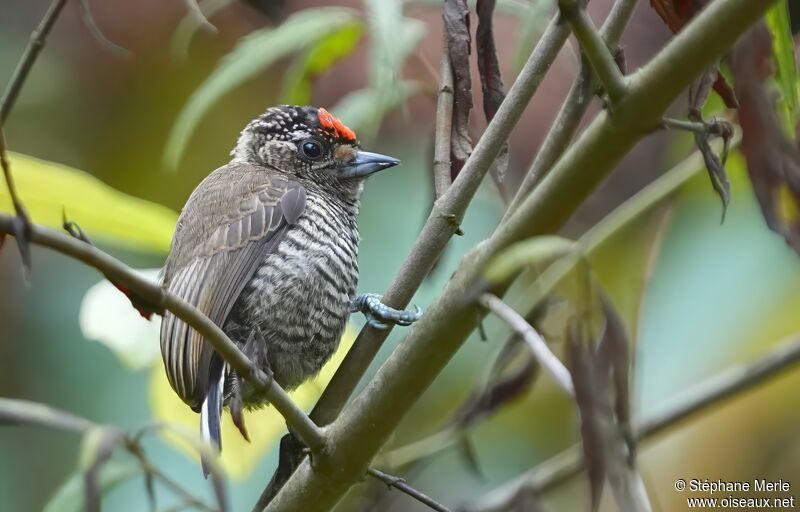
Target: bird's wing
(232, 221)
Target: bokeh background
(697, 296)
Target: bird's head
(307, 143)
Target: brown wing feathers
(214, 256)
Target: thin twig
(686, 126)
(535, 342)
(168, 481)
(12, 189)
(421, 448)
(442, 172)
(572, 109)
(729, 384)
(152, 293)
(15, 412)
(557, 139)
(401, 485)
(595, 49)
(35, 45)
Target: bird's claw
(21, 229)
(237, 408)
(379, 315)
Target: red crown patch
(331, 123)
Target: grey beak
(367, 163)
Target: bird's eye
(311, 149)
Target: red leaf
(455, 14)
(773, 159)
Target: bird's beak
(366, 163)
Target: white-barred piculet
(267, 247)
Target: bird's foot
(255, 348)
(379, 315)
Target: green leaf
(254, 53)
(48, 190)
(360, 108)
(317, 60)
(783, 55)
(394, 38)
(540, 249)
(70, 496)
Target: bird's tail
(211, 412)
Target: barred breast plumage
(267, 248)
(300, 296)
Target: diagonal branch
(35, 45)
(533, 339)
(729, 384)
(357, 435)
(402, 486)
(152, 293)
(595, 48)
(572, 109)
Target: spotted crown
(293, 123)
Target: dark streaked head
(308, 143)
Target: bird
(266, 246)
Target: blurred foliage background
(144, 125)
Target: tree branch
(442, 167)
(595, 49)
(35, 45)
(729, 384)
(533, 339)
(572, 109)
(357, 435)
(152, 293)
(16, 412)
(401, 485)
